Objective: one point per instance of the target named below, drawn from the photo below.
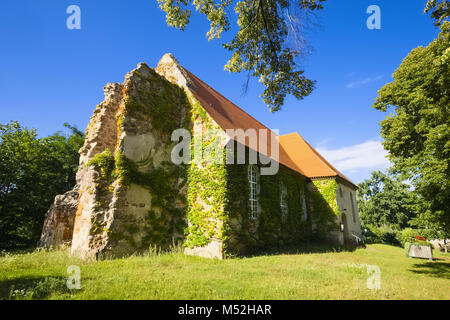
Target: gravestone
(419, 251)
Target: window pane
(252, 178)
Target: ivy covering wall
(206, 193)
(244, 234)
(270, 230)
(324, 205)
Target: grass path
(327, 275)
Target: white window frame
(253, 197)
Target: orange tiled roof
(294, 152)
(312, 163)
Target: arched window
(253, 181)
(283, 202)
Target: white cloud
(363, 82)
(350, 159)
(324, 142)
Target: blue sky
(50, 74)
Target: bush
(33, 171)
(413, 236)
(407, 235)
(383, 234)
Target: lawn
(318, 274)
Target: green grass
(314, 275)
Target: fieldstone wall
(101, 135)
(59, 220)
(129, 195)
(134, 207)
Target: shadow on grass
(32, 288)
(16, 250)
(433, 269)
(302, 249)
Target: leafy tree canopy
(262, 45)
(417, 135)
(440, 10)
(384, 200)
(32, 172)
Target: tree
(440, 10)
(435, 223)
(417, 135)
(384, 200)
(32, 171)
(269, 38)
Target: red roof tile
(312, 163)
